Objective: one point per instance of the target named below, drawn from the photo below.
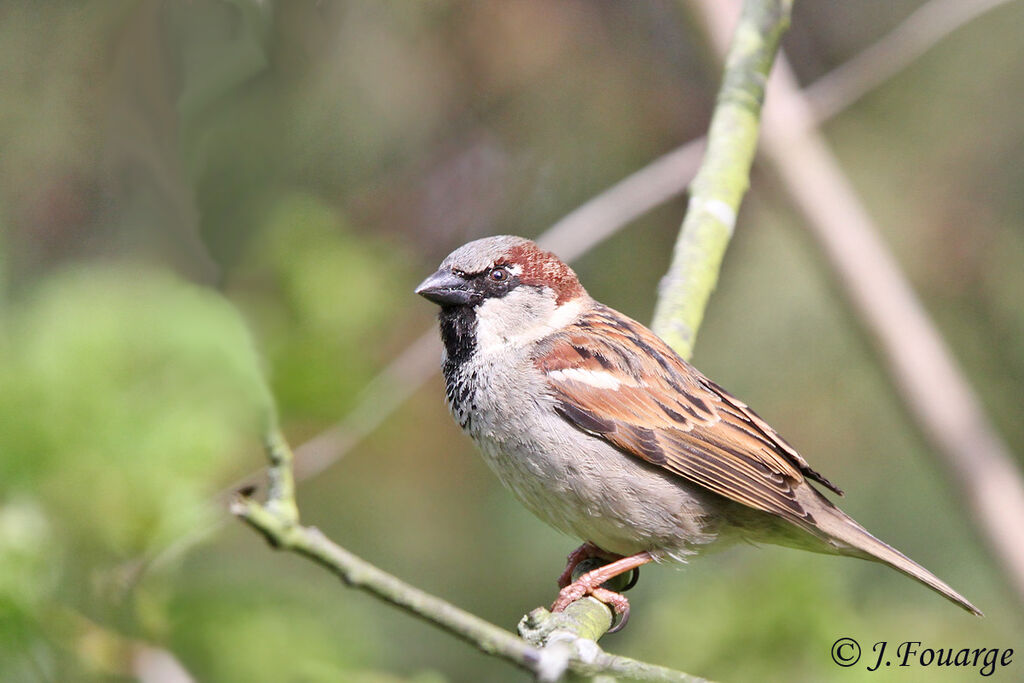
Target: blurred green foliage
(313, 290)
(207, 207)
(126, 396)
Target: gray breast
(575, 482)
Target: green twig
(281, 496)
(723, 177)
(566, 643)
(359, 573)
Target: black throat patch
(458, 332)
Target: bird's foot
(590, 584)
(584, 552)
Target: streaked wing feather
(664, 411)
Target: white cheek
(566, 313)
(522, 316)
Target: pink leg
(590, 584)
(584, 552)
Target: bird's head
(507, 289)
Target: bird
(604, 432)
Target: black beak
(445, 288)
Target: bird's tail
(850, 538)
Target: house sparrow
(606, 434)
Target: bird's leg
(584, 552)
(590, 584)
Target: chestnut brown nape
(544, 268)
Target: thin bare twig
(914, 36)
(978, 464)
(604, 215)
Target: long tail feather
(853, 539)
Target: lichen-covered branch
(572, 635)
(723, 177)
(277, 519)
(556, 644)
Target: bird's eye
(498, 274)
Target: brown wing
(613, 378)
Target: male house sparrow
(606, 434)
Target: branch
(914, 36)
(556, 643)
(605, 214)
(278, 521)
(575, 631)
(723, 176)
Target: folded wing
(613, 378)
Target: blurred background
(205, 204)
